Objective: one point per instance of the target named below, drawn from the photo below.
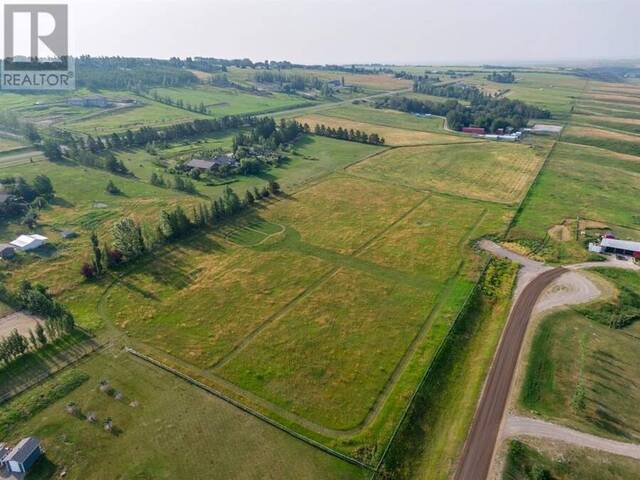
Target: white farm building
(24, 243)
(620, 247)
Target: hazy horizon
(358, 31)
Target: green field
(433, 435)
(578, 180)
(558, 460)
(389, 118)
(311, 288)
(572, 354)
(227, 101)
(160, 426)
(486, 171)
(148, 113)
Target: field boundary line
(40, 380)
(463, 310)
(545, 163)
(248, 410)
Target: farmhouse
(7, 251)
(23, 455)
(24, 243)
(212, 164)
(620, 247)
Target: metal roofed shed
(24, 243)
(624, 247)
(23, 455)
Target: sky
(359, 31)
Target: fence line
(436, 357)
(248, 410)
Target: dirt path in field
(539, 289)
(516, 426)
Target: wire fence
(248, 410)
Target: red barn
(474, 130)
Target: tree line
(35, 298)
(130, 242)
(350, 135)
(502, 77)
(484, 111)
(25, 199)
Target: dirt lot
(17, 321)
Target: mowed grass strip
(488, 171)
(392, 136)
(163, 428)
(328, 358)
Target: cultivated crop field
(486, 171)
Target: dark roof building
(7, 251)
(214, 163)
(23, 455)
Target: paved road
(516, 426)
(478, 450)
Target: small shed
(68, 234)
(24, 243)
(23, 455)
(7, 251)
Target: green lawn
(170, 424)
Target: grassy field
(582, 373)
(160, 426)
(329, 291)
(528, 458)
(227, 101)
(7, 144)
(392, 136)
(578, 180)
(555, 92)
(608, 139)
(389, 118)
(435, 431)
(486, 171)
(149, 114)
(372, 82)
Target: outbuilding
(7, 251)
(615, 246)
(24, 243)
(23, 455)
